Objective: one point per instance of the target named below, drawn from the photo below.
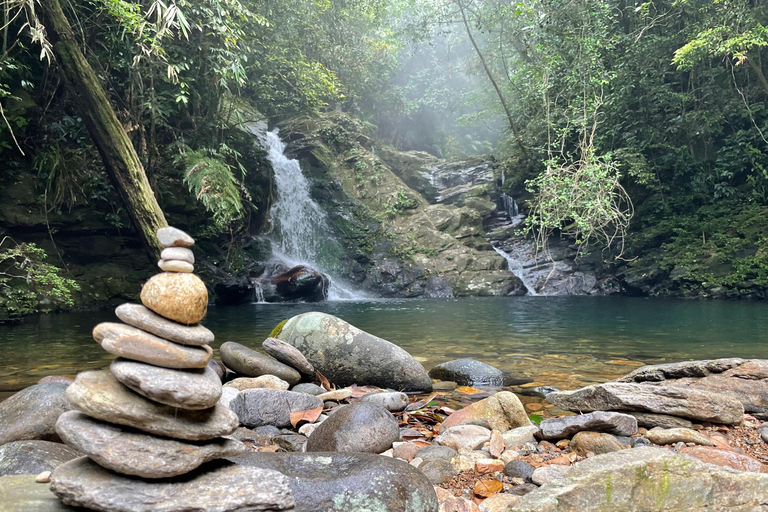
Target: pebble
(310, 389)
(176, 266)
(144, 318)
(337, 395)
(263, 381)
(178, 254)
(487, 466)
(174, 237)
(406, 451)
(594, 442)
(467, 437)
(132, 343)
(44, 477)
(391, 401)
(186, 389)
(179, 297)
(663, 436)
(436, 452)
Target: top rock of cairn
(174, 237)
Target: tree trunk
(503, 101)
(120, 158)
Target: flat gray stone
(670, 400)
(188, 389)
(259, 406)
(599, 421)
(144, 318)
(349, 482)
(288, 354)
(435, 452)
(309, 388)
(520, 436)
(132, 343)
(20, 493)
(357, 427)
(130, 452)
(347, 355)
(100, 395)
(174, 237)
(178, 254)
(438, 471)
(218, 486)
(663, 436)
(650, 420)
(467, 437)
(648, 479)
(468, 372)
(32, 412)
(250, 363)
(392, 401)
(33, 457)
(547, 474)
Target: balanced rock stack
(151, 427)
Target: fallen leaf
(271, 448)
(323, 381)
(310, 416)
(415, 406)
(487, 488)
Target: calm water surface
(561, 341)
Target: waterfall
(300, 227)
(517, 268)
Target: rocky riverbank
(344, 420)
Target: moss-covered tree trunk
(119, 155)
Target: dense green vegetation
(597, 109)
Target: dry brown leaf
(415, 406)
(322, 380)
(487, 488)
(310, 416)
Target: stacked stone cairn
(151, 428)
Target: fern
(211, 181)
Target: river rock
(595, 442)
(357, 427)
(100, 395)
(147, 320)
(133, 453)
(131, 343)
(187, 389)
(450, 503)
(179, 297)
(650, 420)
(663, 436)
(438, 471)
(725, 458)
(519, 469)
(227, 395)
(174, 237)
(670, 400)
(288, 354)
(347, 355)
(392, 401)
(547, 474)
(265, 382)
(176, 266)
(178, 254)
(61, 379)
(501, 502)
(502, 411)
(520, 436)
(745, 380)
(257, 407)
(468, 372)
(436, 452)
(610, 422)
(347, 482)
(308, 388)
(250, 363)
(218, 486)
(32, 413)
(467, 437)
(646, 479)
(33, 457)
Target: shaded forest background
(656, 108)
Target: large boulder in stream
(32, 413)
(279, 283)
(347, 355)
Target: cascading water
(299, 226)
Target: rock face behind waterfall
(347, 355)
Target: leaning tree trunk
(116, 150)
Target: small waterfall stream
(300, 227)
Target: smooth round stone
(187, 389)
(100, 395)
(349, 482)
(288, 354)
(32, 412)
(250, 363)
(147, 320)
(391, 401)
(265, 382)
(174, 237)
(468, 372)
(178, 254)
(132, 343)
(33, 457)
(438, 471)
(176, 266)
(133, 453)
(259, 407)
(177, 296)
(357, 427)
(308, 388)
(218, 486)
